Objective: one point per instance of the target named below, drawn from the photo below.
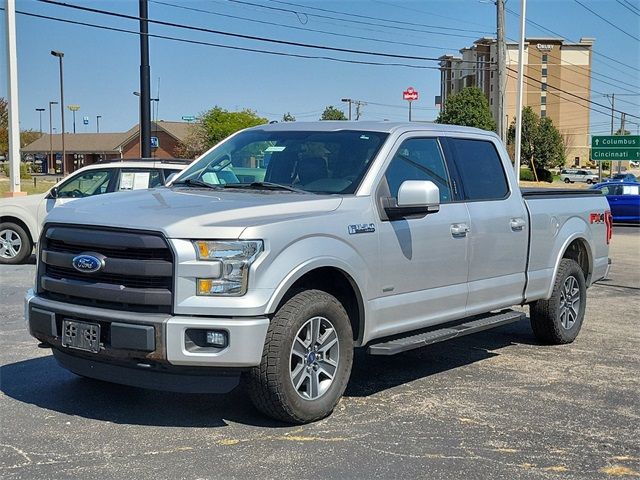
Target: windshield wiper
(265, 186)
(196, 183)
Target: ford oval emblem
(87, 263)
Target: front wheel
(306, 360)
(15, 243)
(589, 181)
(558, 320)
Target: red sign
(410, 94)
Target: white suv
(21, 217)
(571, 175)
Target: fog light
(217, 338)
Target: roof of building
(102, 142)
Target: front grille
(136, 273)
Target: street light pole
(145, 82)
(60, 55)
(523, 8)
(98, 117)
(52, 160)
(40, 110)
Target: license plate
(81, 335)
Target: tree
(215, 125)
(621, 132)
(287, 117)
(332, 113)
(26, 136)
(530, 125)
(468, 107)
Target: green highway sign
(616, 154)
(615, 141)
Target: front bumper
(138, 340)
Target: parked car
(623, 177)
(572, 175)
(624, 199)
(22, 217)
(362, 234)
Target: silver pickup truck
(340, 235)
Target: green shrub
(24, 170)
(543, 175)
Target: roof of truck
(388, 127)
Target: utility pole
(622, 122)
(502, 70)
(359, 105)
(145, 83)
(12, 89)
(348, 100)
(98, 117)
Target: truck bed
(537, 193)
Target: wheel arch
(13, 219)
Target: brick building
(557, 84)
(87, 148)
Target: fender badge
(362, 228)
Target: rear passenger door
(498, 236)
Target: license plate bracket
(81, 335)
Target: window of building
(480, 169)
(492, 87)
(576, 161)
(543, 87)
(543, 100)
(544, 71)
(491, 74)
(543, 113)
(491, 100)
(545, 58)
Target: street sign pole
(410, 94)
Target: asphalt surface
(493, 405)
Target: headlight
(235, 258)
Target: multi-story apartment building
(557, 84)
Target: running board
(397, 345)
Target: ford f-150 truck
(379, 235)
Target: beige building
(557, 79)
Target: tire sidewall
(574, 270)
(324, 305)
(25, 248)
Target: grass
(28, 186)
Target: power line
(607, 21)
(628, 7)
(432, 14)
(264, 22)
(632, 5)
(229, 47)
(239, 35)
(399, 22)
(360, 22)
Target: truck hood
(190, 212)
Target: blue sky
(101, 67)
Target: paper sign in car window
(141, 180)
(274, 149)
(126, 181)
(630, 189)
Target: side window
(630, 189)
(137, 179)
(419, 159)
(91, 182)
(480, 169)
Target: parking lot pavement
(494, 405)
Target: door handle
(459, 229)
(517, 224)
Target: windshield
(316, 162)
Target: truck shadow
(41, 382)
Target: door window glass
(480, 169)
(630, 189)
(86, 184)
(419, 159)
(137, 179)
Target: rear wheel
(566, 180)
(589, 181)
(558, 320)
(15, 243)
(306, 361)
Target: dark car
(624, 199)
(623, 177)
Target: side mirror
(416, 198)
(171, 178)
(53, 193)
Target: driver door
(423, 261)
(83, 184)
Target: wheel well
(17, 221)
(577, 251)
(339, 284)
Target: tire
(566, 180)
(589, 181)
(554, 321)
(271, 384)
(15, 244)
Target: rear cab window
(480, 169)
